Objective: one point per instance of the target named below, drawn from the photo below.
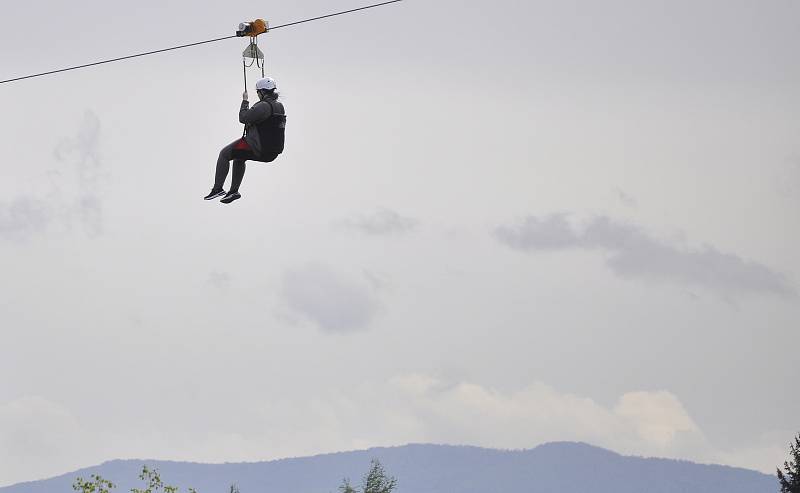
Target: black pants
(223, 166)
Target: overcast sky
(496, 224)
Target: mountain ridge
(435, 468)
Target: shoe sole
(212, 197)
(231, 200)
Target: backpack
(272, 131)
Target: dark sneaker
(215, 192)
(230, 197)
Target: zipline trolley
(252, 52)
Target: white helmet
(267, 83)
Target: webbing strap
(244, 71)
(261, 63)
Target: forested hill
(550, 468)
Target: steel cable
(51, 72)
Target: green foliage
(346, 487)
(154, 482)
(376, 480)
(790, 480)
(94, 485)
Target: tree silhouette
(94, 485)
(790, 481)
(154, 482)
(376, 480)
(346, 487)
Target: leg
(223, 165)
(238, 174)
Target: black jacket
(265, 125)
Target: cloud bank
(634, 254)
(650, 423)
(39, 437)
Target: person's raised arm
(258, 113)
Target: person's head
(266, 88)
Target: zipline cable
(116, 59)
(337, 13)
(51, 72)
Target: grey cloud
(633, 254)
(89, 211)
(74, 190)
(329, 300)
(23, 217)
(551, 233)
(83, 150)
(381, 222)
(81, 153)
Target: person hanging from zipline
(263, 139)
